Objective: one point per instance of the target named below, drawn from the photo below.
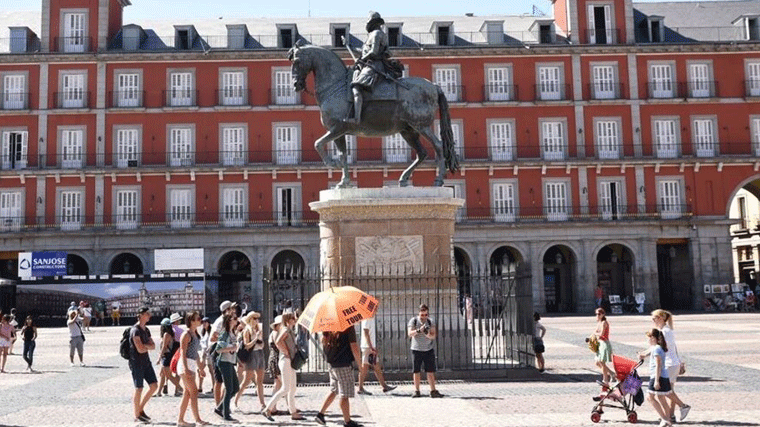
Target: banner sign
(41, 264)
(178, 259)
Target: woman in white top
(538, 341)
(253, 340)
(663, 320)
(86, 310)
(77, 337)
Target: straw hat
(277, 321)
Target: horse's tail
(447, 134)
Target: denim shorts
(142, 372)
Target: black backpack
(125, 345)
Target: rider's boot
(358, 101)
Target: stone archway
(614, 272)
(559, 265)
(234, 275)
(288, 290)
(126, 263)
(76, 266)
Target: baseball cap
(225, 305)
(165, 321)
(143, 309)
(205, 319)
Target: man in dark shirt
(139, 363)
(340, 350)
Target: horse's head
(301, 65)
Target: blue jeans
(231, 386)
(29, 352)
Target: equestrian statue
(372, 100)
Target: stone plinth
(396, 244)
(386, 230)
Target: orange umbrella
(336, 309)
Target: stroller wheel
(632, 417)
(596, 416)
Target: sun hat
(175, 317)
(277, 321)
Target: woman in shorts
(663, 320)
(538, 341)
(187, 367)
(604, 353)
(659, 383)
(5, 339)
(253, 340)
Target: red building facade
(599, 147)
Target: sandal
(297, 416)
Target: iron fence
(484, 321)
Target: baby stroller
(621, 394)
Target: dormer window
(493, 32)
(184, 37)
(286, 35)
(544, 31)
(395, 37)
(656, 28)
(132, 37)
(750, 26)
(340, 34)
(74, 31)
(236, 36)
(600, 21)
(23, 40)
(444, 33)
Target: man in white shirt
(116, 313)
(369, 357)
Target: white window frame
(499, 82)
(12, 209)
(752, 71)
(670, 197)
(458, 185)
(704, 135)
(181, 87)
(71, 157)
(283, 92)
(15, 89)
(180, 216)
(449, 78)
(233, 201)
(700, 79)
(557, 211)
(127, 145)
(662, 80)
(287, 215)
(70, 218)
(609, 20)
(233, 143)
(128, 88)
(605, 84)
(14, 157)
(334, 153)
(664, 147)
(126, 217)
(72, 89)
(233, 87)
(504, 200)
(286, 141)
(754, 123)
(553, 137)
(550, 81)
(74, 38)
(606, 211)
(608, 139)
(502, 146)
(395, 149)
(179, 152)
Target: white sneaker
(685, 411)
(81, 364)
(72, 364)
(664, 423)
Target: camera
(588, 339)
(259, 342)
(372, 359)
(423, 330)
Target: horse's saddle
(384, 90)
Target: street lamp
(558, 258)
(614, 257)
(126, 266)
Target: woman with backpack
(169, 345)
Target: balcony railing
(292, 218)
(14, 100)
(126, 98)
(77, 44)
(752, 88)
(284, 97)
(665, 90)
(454, 93)
(178, 98)
(702, 89)
(233, 97)
(601, 36)
(606, 90)
(72, 99)
(500, 93)
(552, 92)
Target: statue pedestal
(396, 244)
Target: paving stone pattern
(722, 352)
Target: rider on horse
(373, 64)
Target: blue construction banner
(41, 264)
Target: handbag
(298, 359)
(174, 361)
(243, 354)
(81, 332)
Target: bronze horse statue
(410, 111)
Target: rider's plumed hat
(374, 18)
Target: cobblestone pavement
(721, 351)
